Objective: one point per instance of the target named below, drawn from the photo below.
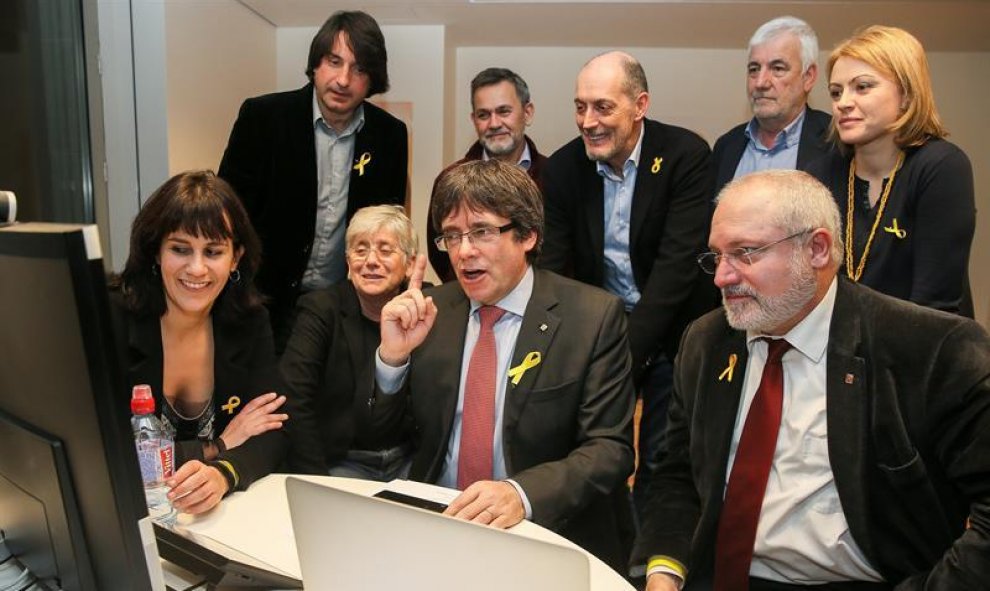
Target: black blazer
(908, 440)
(243, 366)
(328, 375)
(671, 214)
(934, 204)
(567, 425)
(270, 161)
(729, 148)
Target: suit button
(294, 284)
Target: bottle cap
(142, 403)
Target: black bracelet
(221, 446)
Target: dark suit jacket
(440, 260)
(243, 366)
(567, 426)
(908, 441)
(729, 148)
(328, 375)
(671, 214)
(270, 161)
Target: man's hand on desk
(489, 502)
(662, 582)
(196, 487)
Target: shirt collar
(605, 170)
(516, 300)
(789, 136)
(355, 125)
(525, 159)
(810, 336)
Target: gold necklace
(857, 272)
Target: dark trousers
(656, 392)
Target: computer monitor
(71, 497)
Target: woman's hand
(257, 417)
(196, 487)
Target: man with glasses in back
(518, 379)
(822, 435)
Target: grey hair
(493, 76)
(393, 218)
(795, 26)
(801, 202)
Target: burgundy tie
(478, 414)
(748, 479)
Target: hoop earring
(235, 276)
(156, 270)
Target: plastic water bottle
(156, 454)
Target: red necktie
(748, 479)
(478, 414)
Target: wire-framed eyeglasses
(709, 261)
(481, 235)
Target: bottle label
(156, 458)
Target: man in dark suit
(784, 132)
(501, 110)
(820, 433)
(519, 380)
(304, 161)
(627, 208)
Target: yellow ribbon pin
(360, 164)
(656, 165)
(532, 359)
(895, 230)
(232, 403)
(728, 371)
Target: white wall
(219, 53)
(704, 90)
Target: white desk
(257, 525)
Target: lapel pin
(531, 360)
(362, 162)
(656, 165)
(543, 327)
(730, 369)
(232, 403)
(850, 379)
(895, 230)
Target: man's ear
(821, 248)
(642, 104)
(528, 111)
(809, 77)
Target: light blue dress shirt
(334, 158)
(618, 193)
(390, 379)
(783, 154)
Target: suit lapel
(538, 328)
(733, 154)
(721, 389)
(444, 369)
(352, 332)
(847, 412)
(304, 136)
(594, 216)
(648, 175)
(145, 351)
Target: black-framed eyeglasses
(481, 235)
(709, 261)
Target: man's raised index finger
(419, 269)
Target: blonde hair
(900, 56)
(393, 218)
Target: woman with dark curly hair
(196, 332)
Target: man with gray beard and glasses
(821, 435)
